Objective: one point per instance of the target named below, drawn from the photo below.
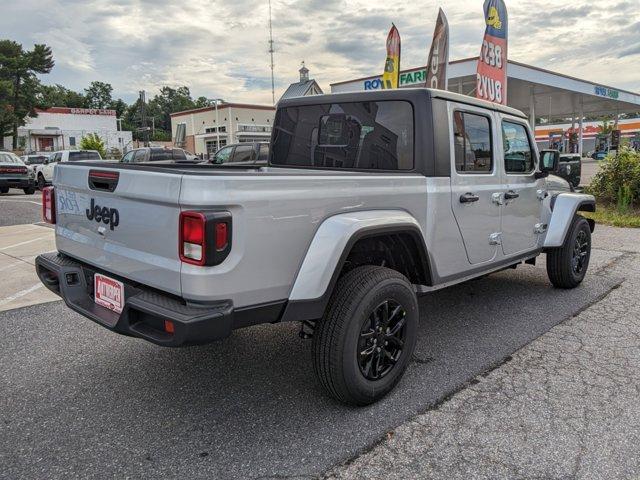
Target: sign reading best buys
(407, 79)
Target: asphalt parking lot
(17, 208)
(80, 402)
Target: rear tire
(567, 265)
(365, 340)
(29, 190)
(4, 190)
(41, 182)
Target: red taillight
(222, 236)
(205, 237)
(169, 327)
(49, 205)
(192, 238)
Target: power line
(273, 88)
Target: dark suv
(253, 153)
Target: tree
(170, 100)
(59, 96)
(98, 95)
(119, 106)
(19, 67)
(202, 102)
(93, 141)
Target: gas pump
(556, 140)
(602, 142)
(573, 142)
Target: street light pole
(217, 128)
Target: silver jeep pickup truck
(369, 200)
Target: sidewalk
(19, 246)
(565, 406)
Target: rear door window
(264, 152)
(349, 135)
(179, 154)
(472, 143)
(140, 156)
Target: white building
(62, 128)
(229, 123)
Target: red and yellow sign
(391, 75)
(491, 74)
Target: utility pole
(271, 50)
(143, 118)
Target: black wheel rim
(580, 252)
(381, 340)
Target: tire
(29, 190)
(345, 333)
(41, 182)
(567, 265)
(4, 190)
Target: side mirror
(549, 160)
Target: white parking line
(21, 293)
(22, 243)
(20, 201)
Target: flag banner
(391, 75)
(438, 54)
(491, 74)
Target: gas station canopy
(535, 91)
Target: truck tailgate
(139, 237)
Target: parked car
(44, 172)
(251, 153)
(599, 155)
(570, 168)
(31, 161)
(15, 174)
(369, 199)
(158, 154)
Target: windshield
(38, 160)
(10, 158)
(84, 155)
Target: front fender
(331, 240)
(564, 208)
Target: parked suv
(14, 174)
(158, 154)
(245, 153)
(44, 172)
(369, 200)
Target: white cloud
(219, 48)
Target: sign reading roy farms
(407, 79)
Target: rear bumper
(16, 182)
(144, 311)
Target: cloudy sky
(219, 47)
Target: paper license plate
(108, 293)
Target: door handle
(510, 195)
(469, 197)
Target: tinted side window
(518, 155)
(179, 154)
(353, 135)
(243, 153)
(223, 155)
(472, 143)
(140, 155)
(264, 152)
(128, 157)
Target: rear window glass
(352, 135)
(39, 160)
(78, 156)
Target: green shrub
(93, 141)
(618, 180)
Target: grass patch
(609, 215)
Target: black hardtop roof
(412, 94)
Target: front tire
(4, 190)
(567, 265)
(365, 340)
(29, 190)
(41, 182)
